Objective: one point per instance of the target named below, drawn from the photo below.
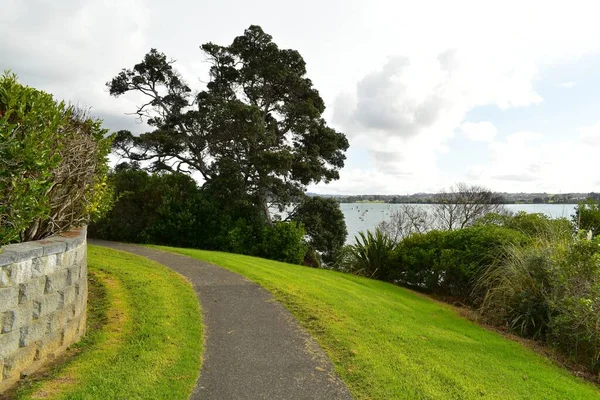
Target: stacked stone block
(43, 297)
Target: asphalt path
(254, 348)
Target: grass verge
(390, 343)
(144, 336)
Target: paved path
(254, 347)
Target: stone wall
(43, 296)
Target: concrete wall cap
(17, 252)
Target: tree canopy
(257, 127)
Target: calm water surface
(364, 216)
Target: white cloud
(385, 181)
(424, 91)
(483, 131)
(526, 161)
(71, 48)
(409, 95)
(410, 108)
(590, 134)
(567, 85)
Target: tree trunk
(264, 203)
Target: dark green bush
(170, 209)
(167, 209)
(284, 241)
(244, 238)
(176, 208)
(447, 262)
(417, 260)
(133, 213)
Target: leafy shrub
(447, 262)
(284, 241)
(372, 254)
(244, 238)
(52, 164)
(417, 260)
(175, 210)
(167, 209)
(29, 125)
(535, 225)
(80, 191)
(587, 216)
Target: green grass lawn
(390, 343)
(144, 336)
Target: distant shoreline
(427, 203)
(430, 198)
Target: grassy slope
(149, 343)
(388, 342)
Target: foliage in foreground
(448, 262)
(390, 343)
(53, 164)
(149, 341)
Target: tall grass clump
(549, 290)
(515, 291)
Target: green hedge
(447, 262)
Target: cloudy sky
(503, 93)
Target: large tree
(259, 120)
